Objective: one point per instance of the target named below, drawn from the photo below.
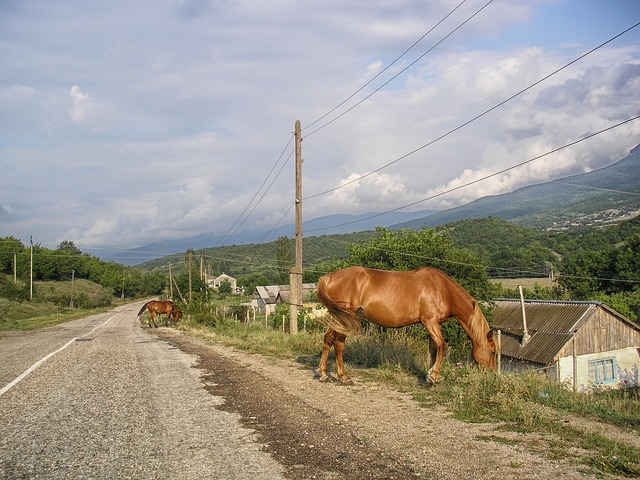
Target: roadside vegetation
(562, 424)
(585, 264)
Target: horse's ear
(489, 334)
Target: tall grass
(527, 402)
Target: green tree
(154, 283)
(69, 247)
(409, 249)
(284, 258)
(8, 247)
(250, 282)
(225, 288)
(625, 265)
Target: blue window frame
(602, 371)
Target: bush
(13, 291)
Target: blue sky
(124, 123)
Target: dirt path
(327, 430)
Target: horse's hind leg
(338, 346)
(335, 339)
(152, 318)
(326, 347)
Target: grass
(526, 403)
(50, 305)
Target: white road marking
(24, 374)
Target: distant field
(525, 282)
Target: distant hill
(327, 225)
(585, 199)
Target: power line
(546, 77)
(500, 172)
(277, 223)
(387, 68)
(228, 235)
(384, 84)
(401, 71)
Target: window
(602, 371)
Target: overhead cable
(473, 119)
(401, 71)
(386, 68)
(478, 180)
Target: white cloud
(80, 104)
(187, 106)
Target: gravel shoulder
(328, 430)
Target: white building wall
(627, 368)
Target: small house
(265, 298)
(309, 304)
(219, 280)
(578, 343)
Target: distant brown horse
(398, 299)
(157, 307)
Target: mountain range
(604, 195)
(327, 225)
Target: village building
(310, 304)
(265, 298)
(581, 344)
(215, 282)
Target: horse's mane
(476, 320)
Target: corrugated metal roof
(269, 293)
(551, 324)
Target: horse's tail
(339, 319)
(142, 309)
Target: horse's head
(485, 353)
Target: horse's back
(408, 294)
(369, 280)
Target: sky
(124, 123)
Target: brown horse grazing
(157, 307)
(398, 299)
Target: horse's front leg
(437, 350)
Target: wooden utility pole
(73, 275)
(296, 272)
(31, 269)
(124, 271)
(202, 265)
(190, 265)
(15, 267)
(170, 284)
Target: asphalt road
(101, 398)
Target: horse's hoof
(324, 379)
(347, 381)
(431, 381)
